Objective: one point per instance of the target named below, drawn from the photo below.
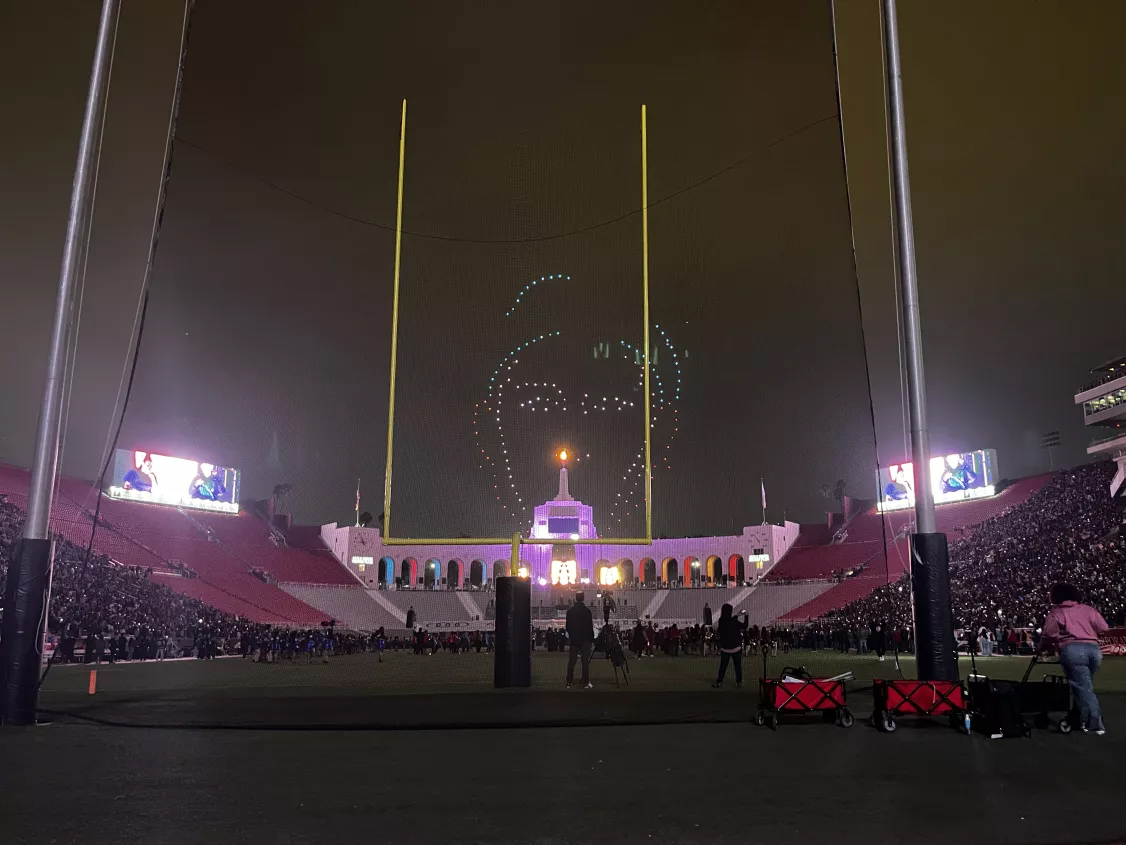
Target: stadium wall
(361, 550)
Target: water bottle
(966, 721)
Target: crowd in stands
(1001, 572)
(104, 611)
(96, 596)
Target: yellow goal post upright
(517, 540)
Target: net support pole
(29, 578)
(645, 318)
(930, 560)
(514, 561)
(512, 633)
(394, 328)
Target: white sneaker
(588, 686)
(997, 736)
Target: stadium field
(405, 673)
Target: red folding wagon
(796, 692)
(919, 698)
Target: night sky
(266, 345)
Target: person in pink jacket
(1073, 628)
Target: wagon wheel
(774, 721)
(1064, 726)
(760, 718)
(846, 719)
(888, 725)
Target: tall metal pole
(29, 581)
(905, 229)
(930, 559)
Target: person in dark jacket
(707, 614)
(879, 640)
(637, 640)
(729, 633)
(580, 633)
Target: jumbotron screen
(142, 476)
(953, 478)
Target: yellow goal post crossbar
(517, 540)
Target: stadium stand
(353, 607)
(236, 564)
(429, 606)
(770, 602)
(169, 541)
(1062, 527)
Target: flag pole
(357, 503)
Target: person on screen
(207, 484)
(958, 475)
(143, 480)
(899, 488)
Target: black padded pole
(512, 661)
(934, 619)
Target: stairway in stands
(389, 606)
(471, 607)
(655, 604)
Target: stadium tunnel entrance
(625, 567)
(408, 572)
(648, 571)
(453, 573)
(477, 573)
(669, 571)
(386, 571)
(736, 568)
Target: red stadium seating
(221, 549)
(864, 545)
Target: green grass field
(403, 673)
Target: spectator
(1074, 628)
(1065, 531)
(730, 635)
(580, 632)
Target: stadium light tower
(29, 578)
(930, 558)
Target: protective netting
(520, 336)
(510, 356)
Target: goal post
(518, 540)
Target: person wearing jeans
(1074, 628)
(729, 633)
